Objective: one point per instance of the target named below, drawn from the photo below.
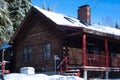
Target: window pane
(27, 54)
(90, 48)
(47, 50)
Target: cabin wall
(38, 33)
(75, 56)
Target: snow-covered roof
(61, 19)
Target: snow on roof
(61, 19)
(105, 29)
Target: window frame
(47, 50)
(27, 53)
(93, 50)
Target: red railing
(114, 61)
(96, 60)
(100, 60)
(65, 60)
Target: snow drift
(17, 76)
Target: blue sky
(106, 12)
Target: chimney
(84, 14)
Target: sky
(105, 12)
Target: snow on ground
(19, 76)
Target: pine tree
(18, 9)
(44, 6)
(12, 13)
(6, 29)
(49, 9)
(117, 26)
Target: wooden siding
(115, 61)
(75, 56)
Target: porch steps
(73, 72)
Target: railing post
(3, 61)
(66, 62)
(60, 69)
(3, 67)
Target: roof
(61, 19)
(67, 21)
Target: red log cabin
(91, 48)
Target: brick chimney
(84, 14)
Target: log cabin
(50, 41)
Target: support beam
(73, 34)
(106, 51)
(84, 49)
(85, 74)
(106, 75)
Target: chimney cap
(86, 5)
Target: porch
(89, 52)
(85, 49)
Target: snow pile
(17, 76)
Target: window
(70, 20)
(27, 54)
(90, 48)
(47, 50)
(113, 49)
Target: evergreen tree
(44, 6)
(117, 26)
(12, 13)
(49, 9)
(6, 29)
(18, 9)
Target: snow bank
(17, 76)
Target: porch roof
(61, 19)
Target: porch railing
(96, 60)
(65, 60)
(100, 60)
(115, 60)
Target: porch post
(84, 49)
(84, 54)
(85, 74)
(106, 75)
(107, 57)
(106, 51)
